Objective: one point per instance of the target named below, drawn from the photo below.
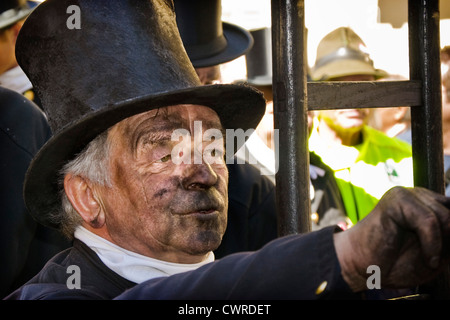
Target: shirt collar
(131, 265)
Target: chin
(204, 242)
(353, 125)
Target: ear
(84, 200)
(16, 28)
(399, 113)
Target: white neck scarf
(15, 79)
(130, 265)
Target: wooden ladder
(294, 96)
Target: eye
(165, 158)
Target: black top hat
(126, 58)
(259, 59)
(208, 40)
(12, 11)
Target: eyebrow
(159, 129)
(154, 137)
(152, 131)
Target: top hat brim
(41, 189)
(239, 42)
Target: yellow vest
(366, 171)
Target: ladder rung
(363, 94)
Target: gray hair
(91, 164)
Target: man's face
(7, 46)
(347, 119)
(156, 207)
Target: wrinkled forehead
(168, 119)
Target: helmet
(343, 53)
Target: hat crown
(259, 59)
(342, 43)
(343, 37)
(80, 71)
(342, 52)
(200, 25)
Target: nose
(199, 177)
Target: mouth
(198, 204)
(200, 210)
(207, 211)
(349, 113)
(204, 215)
(352, 114)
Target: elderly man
(120, 175)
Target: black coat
(292, 267)
(25, 246)
(252, 218)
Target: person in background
(445, 75)
(365, 161)
(25, 245)
(210, 42)
(394, 121)
(12, 15)
(327, 207)
(260, 148)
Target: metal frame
(293, 97)
(290, 113)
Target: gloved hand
(406, 235)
